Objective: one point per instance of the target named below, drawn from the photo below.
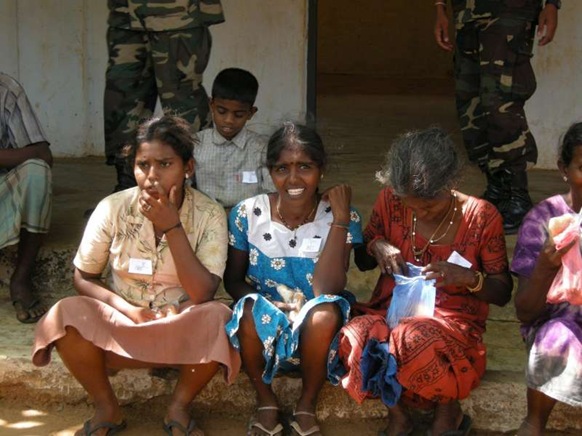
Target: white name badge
(140, 266)
(250, 177)
(457, 259)
(310, 245)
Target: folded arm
(12, 157)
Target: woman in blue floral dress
(287, 247)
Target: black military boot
(497, 191)
(125, 177)
(519, 203)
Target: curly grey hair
(422, 164)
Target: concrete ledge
(497, 405)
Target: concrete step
(497, 405)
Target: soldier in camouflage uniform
(156, 49)
(493, 80)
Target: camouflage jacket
(163, 15)
(470, 10)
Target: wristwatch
(556, 3)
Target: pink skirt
(196, 335)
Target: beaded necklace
(418, 253)
(286, 224)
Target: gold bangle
(341, 225)
(479, 285)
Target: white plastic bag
(413, 295)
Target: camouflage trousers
(493, 80)
(146, 65)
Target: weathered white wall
(557, 102)
(56, 49)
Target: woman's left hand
(339, 197)
(160, 209)
(449, 274)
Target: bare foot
(399, 423)
(447, 417)
(527, 429)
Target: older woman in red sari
(458, 240)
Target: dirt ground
(146, 419)
(142, 419)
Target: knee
(71, 336)
(36, 166)
(247, 322)
(325, 317)
(36, 173)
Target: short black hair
(571, 140)
(236, 84)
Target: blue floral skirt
(280, 337)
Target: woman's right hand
(140, 315)
(388, 257)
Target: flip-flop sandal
(20, 308)
(463, 429)
(297, 428)
(403, 433)
(112, 428)
(255, 424)
(169, 426)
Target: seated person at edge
(165, 245)
(421, 218)
(230, 159)
(25, 192)
(552, 332)
(293, 241)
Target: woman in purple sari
(552, 332)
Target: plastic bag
(412, 296)
(567, 285)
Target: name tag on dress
(310, 246)
(250, 177)
(140, 266)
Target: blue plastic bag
(413, 295)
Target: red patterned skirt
(437, 361)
